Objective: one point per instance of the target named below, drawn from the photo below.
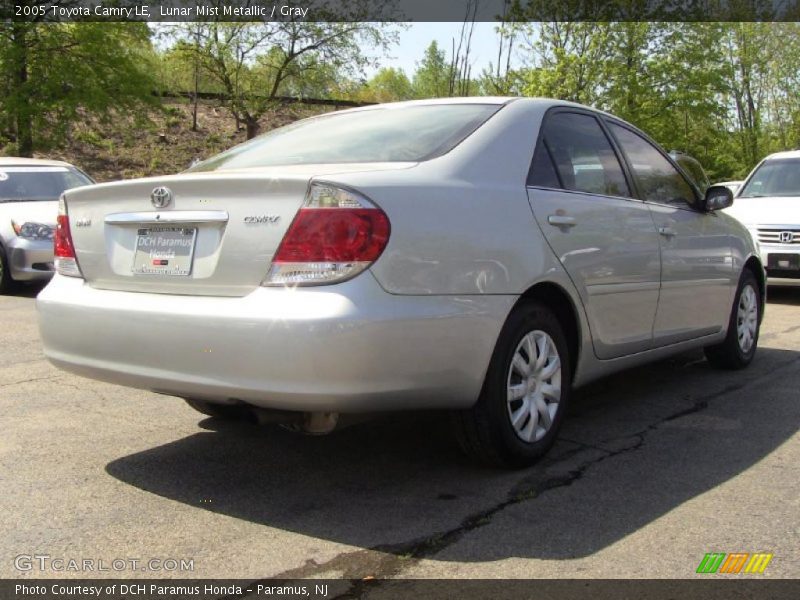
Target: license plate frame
(783, 262)
(164, 251)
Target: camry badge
(161, 197)
(262, 219)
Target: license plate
(786, 262)
(164, 251)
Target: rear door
(696, 262)
(605, 239)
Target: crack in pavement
(31, 380)
(385, 561)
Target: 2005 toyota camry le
(482, 255)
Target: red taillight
(62, 240)
(63, 248)
(336, 234)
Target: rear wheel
(221, 411)
(519, 412)
(739, 347)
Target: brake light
(336, 234)
(63, 248)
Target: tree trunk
(22, 115)
(252, 127)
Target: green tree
(256, 63)
(52, 72)
(724, 92)
(388, 85)
(432, 77)
(566, 60)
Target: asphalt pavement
(655, 468)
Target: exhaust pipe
(319, 423)
(312, 423)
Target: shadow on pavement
(26, 290)
(787, 293)
(635, 446)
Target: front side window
(776, 177)
(396, 134)
(29, 184)
(577, 147)
(658, 179)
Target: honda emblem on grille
(161, 197)
(787, 237)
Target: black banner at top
(399, 10)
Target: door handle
(562, 221)
(667, 231)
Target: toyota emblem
(161, 197)
(787, 237)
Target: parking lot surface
(655, 468)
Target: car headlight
(33, 231)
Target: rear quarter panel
(461, 223)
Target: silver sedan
(482, 255)
(29, 191)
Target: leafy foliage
(51, 73)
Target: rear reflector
(63, 248)
(336, 234)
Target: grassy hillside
(162, 141)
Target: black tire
(485, 431)
(231, 412)
(729, 354)
(6, 283)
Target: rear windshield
(27, 184)
(403, 134)
(777, 177)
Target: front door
(697, 275)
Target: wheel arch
(753, 264)
(557, 299)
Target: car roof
(13, 161)
(495, 100)
(787, 154)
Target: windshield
(777, 177)
(28, 184)
(402, 134)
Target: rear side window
(579, 151)
(543, 171)
(658, 179)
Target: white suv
(769, 205)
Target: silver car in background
(482, 255)
(29, 191)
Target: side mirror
(717, 197)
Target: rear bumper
(347, 348)
(30, 260)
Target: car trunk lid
(216, 235)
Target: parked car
(768, 203)
(692, 167)
(443, 254)
(733, 186)
(29, 191)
